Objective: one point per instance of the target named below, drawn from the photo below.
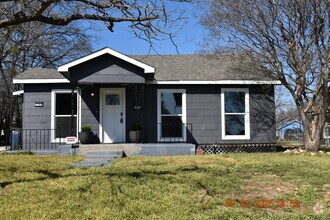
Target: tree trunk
(313, 132)
(312, 142)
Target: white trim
(34, 81)
(183, 115)
(20, 92)
(147, 68)
(222, 82)
(106, 90)
(52, 114)
(79, 108)
(246, 119)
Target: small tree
(289, 37)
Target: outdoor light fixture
(92, 93)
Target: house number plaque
(38, 104)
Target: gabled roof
(289, 123)
(171, 69)
(202, 67)
(147, 68)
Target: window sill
(236, 137)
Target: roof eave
(219, 82)
(147, 68)
(39, 81)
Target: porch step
(109, 153)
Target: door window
(112, 99)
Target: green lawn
(185, 187)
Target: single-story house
(193, 99)
(292, 130)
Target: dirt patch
(327, 192)
(266, 186)
(202, 195)
(327, 185)
(191, 161)
(267, 189)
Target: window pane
(112, 99)
(63, 104)
(63, 126)
(171, 103)
(235, 125)
(235, 102)
(172, 126)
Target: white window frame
(53, 110)
(183, 115)
(325, 136)
(246, 118)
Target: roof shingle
(182, 67)
(40, 73)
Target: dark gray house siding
(203, 104)
(36, 122)
(90, 108)
(204, 113)
(106, 69)
(38, 117)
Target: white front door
(113, 115)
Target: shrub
(86, 128)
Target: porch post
(72, 111)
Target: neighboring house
(291, 131)
(197, 99)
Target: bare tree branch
(289, 37)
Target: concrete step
(116, 153)
(94, 157)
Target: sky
(188, 39)
(122, 40)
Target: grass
(183, 187)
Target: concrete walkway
(98, 158)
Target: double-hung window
(235, 113)
(171, 115)
(62, 106)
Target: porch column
(72, 112)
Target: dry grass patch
(202, 160)
(266, 186)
